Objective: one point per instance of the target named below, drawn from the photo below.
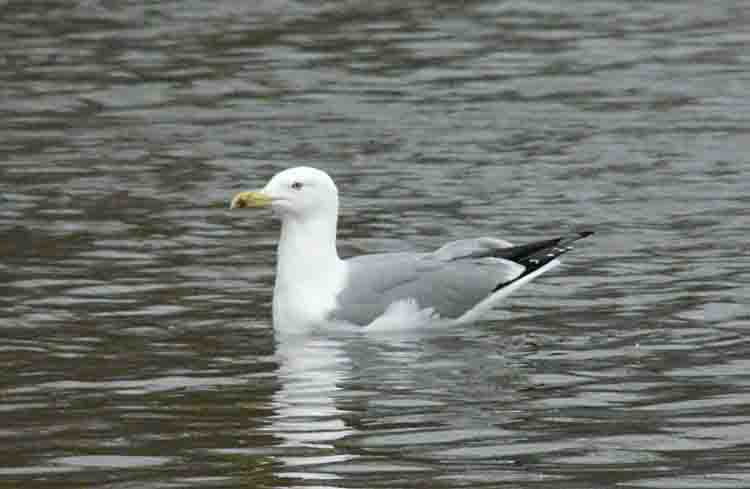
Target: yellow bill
(250, 199)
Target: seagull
(455, 284)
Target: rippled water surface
(137, 345)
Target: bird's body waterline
(456, 283)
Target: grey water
(137, 347)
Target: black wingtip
(535, 255)
(567, 239)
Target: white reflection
(306, 415)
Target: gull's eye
(297, 185)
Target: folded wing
(450, 280)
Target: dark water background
(137, 349)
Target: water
(135, 308)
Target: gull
(457, 283)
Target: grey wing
(450, 280)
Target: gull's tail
(535, 255)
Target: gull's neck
(309, 272)
(306, 246)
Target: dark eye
(297, 185)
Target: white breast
(300, 305)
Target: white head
(300, 193)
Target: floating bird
(454, 284)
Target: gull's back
(450, 280)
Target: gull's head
(300, 192)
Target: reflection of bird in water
(305, 409)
